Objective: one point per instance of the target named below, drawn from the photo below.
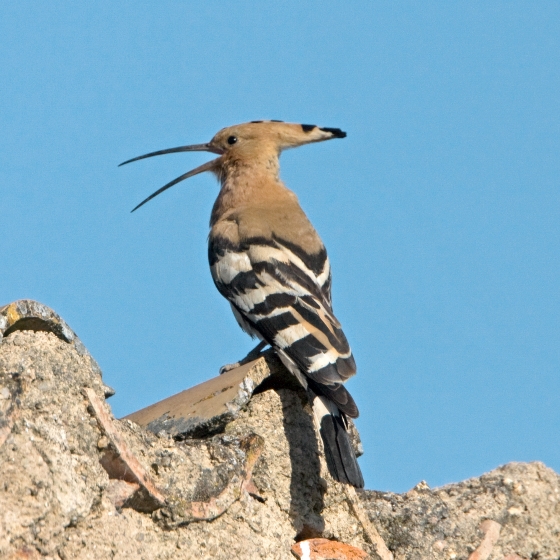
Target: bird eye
(232, 140)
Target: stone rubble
(79, 484)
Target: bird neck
(244, 183)
(249, 165)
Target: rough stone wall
(521, 500)
(58, 499)
(69, 487)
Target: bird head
(251, 139)
(250, 143)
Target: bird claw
(228, 367)
(252, 355)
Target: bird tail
(341, 459)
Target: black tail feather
(341, 459)
(340, 455)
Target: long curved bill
(192, 148)
(209, 166)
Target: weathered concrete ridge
(206, 408)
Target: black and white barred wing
(284, 298)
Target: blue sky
(440, 210)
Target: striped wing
(282, 294)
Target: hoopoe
(268, 261)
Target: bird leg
(252, 355)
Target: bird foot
(228, 367)
(252, 355)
